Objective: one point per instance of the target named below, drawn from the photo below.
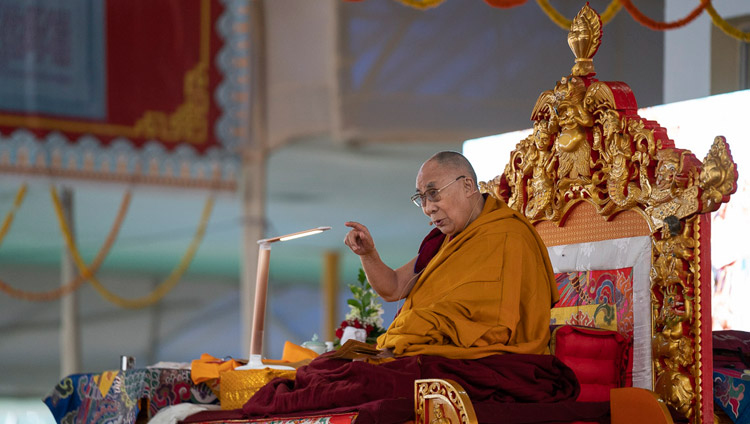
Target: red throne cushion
(597, 357)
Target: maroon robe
(503, 388)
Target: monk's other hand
(359, 239)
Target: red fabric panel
(597, 357)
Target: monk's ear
(470, 186)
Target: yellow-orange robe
(488, 290)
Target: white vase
(358, 334)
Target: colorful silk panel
(731, 391)
(114, 397)
(347, 418)
(597, 299)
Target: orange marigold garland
(661, 26)
(71, 286)
(725, 26)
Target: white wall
(687, 50)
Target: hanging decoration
(163, 288)
(505, 4)
(421, 4)
(73, 285)
(723, 25)
(661, 26)
(607, 15)
(20, 195)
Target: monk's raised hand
(359, 239)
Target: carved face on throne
(668, 168)
(611, 124)
(541, 135)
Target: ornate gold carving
(673, 277)
(718, 178)
(570, 119)
(442, 402)
(697, 323)
(577, 128)
(438, 415)
(584, 39)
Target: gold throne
(594, 172)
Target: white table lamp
(261, 288)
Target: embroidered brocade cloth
(115, 396)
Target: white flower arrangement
(365, 311)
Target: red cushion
(597, 357)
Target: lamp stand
(255, 360)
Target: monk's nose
(428, 207)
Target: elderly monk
(482, 283)
(479, 289)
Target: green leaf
(357, 292)
(354, 303)
(361, 277)
(366, 300)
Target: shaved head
(447, 186)
(455, 160)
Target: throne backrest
(609, 192)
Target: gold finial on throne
(584, 39)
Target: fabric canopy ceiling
(380, 71)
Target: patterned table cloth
(731, 392)
(115, 396)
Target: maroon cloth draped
(513, 389)
(428, 249)
(503, 388)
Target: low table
(119, 396)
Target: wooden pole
(330, 294)
(70, 335)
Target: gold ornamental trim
(698, 328)
(584, 39)
(438, 401)
(584, 225)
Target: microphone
(431, 223)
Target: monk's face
(452, 211)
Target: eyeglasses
(433, 194)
